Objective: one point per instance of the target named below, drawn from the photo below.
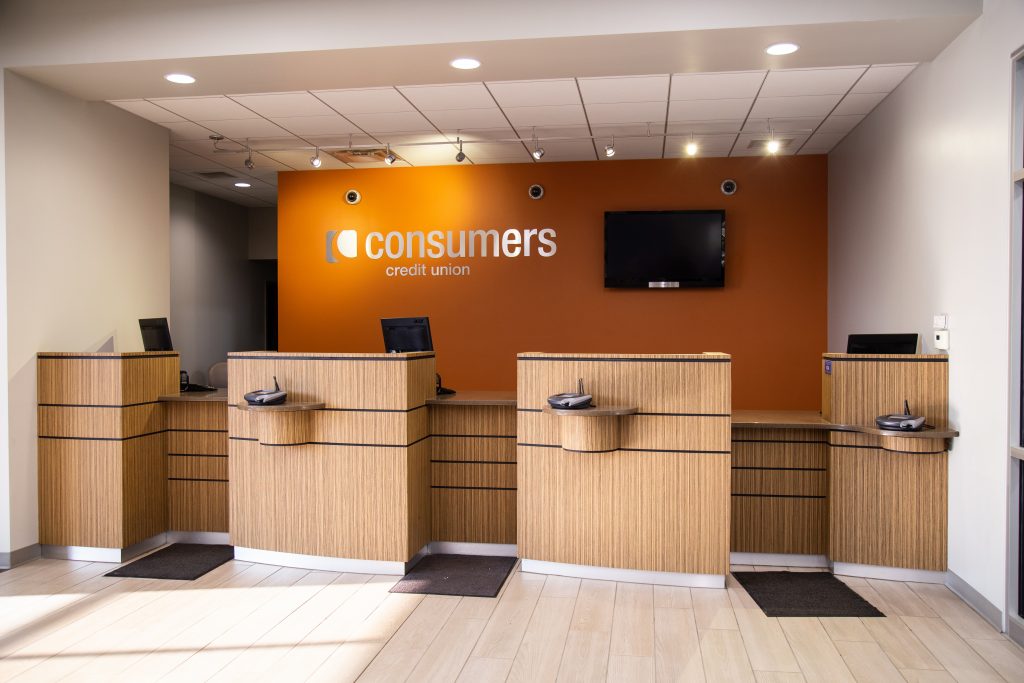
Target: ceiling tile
(181, 160)
(714, 145)
(790, 107)
(853, 105)
(716, 86)
(278, 143)
(630, 148)
(804, 124)
(527, 133)
(283, 104)
(429, 155)
(752, 144)
(557, 115)
(624, 89)
(623, 129)
(239, 129)
(365, 100)
(627, 112)
(299, 159)
(454, 119)
(821, 143)
(147, 110)
(453, 96)
(568, 150)
(840, 124)
(708, 110)
(340, 141)
(535, 93)
(388, 122)
(882, 78)
(204, 108)
(482, 133)
(794, 82)
(331, 124)
(483, 152)
(405, 138)
(186, 130)
(721, 126)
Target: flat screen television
(664, 249)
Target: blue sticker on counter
(828, 367)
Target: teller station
(365, 468)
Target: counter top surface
(592, 411)
(286, 407)
(809, 419)
(219, 396)
(475, 398)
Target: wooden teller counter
(364, 469)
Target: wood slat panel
(80, 493)
(473, 420)
(888, 509)
(632, 510)
(418, 492)
(349, 426)
(779, 525)
(474, 516)
(196, 415)
(787, 435)
(764, 454)
(144, 486)
(780, 482)
(473, 448)
(495, 476)
(860, 389)
(198, 505)
(110, 423)
(197, 467)
(661, 432)
(197, 443)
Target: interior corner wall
(5, 451)
(217, 293)
(919, 223)
(87, 249)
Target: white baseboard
(458, 548)
(976, 600)
(115, 555)
(200, 537)
(20, 556)
(778, 560)
(870, 571)
(581, 571)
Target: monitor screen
(156, 336)
(659, 249)
(402, 335)
(882, 343)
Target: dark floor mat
(478, 576)
(184, 561)
(804, 594)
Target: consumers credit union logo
(438, 244)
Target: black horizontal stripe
(823, 442)
(372, 359)
(111, 357)
(97, 405)
(886, 360)
(541, 410)
(539, 445)
(530, 410)
(795, 469)
(775, 495)
(630, 450)
(197, 455)
(477, 462)
(242, 438)
(225, 481)
(475, 436)
(576, 450)
(626, 360)
(102, 438)
(887, 450)
(374, 410)
(336, 443)
(478, 488)
(205, 431)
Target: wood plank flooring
(64, 620)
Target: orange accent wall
(771, 315)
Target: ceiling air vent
(361, 156)
(214, 175)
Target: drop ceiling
(650, 116)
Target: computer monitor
(882, 343)
(156, 336)
(402, 335)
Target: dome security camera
(536, 191)
(352, 197)
(729, 187)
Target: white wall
(919, 217)
(87, 251)
(217, 293)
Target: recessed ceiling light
(691, 148)
(782, 49)
(465, 63)
(182, 79)
(242, 185)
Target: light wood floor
(245, 622)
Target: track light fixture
(538, 151)
(609, 150)
(389, 158)
(773, 145)
(461, 156)
(249, 163)
(315, 160)
(691, 147)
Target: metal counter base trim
(90, 554)
(777, 560)
(330, 564)
(871, 571)
(582, 571)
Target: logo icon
(343, 242)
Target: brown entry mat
(478, 576)
(804, 594)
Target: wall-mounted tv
(664, 249)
